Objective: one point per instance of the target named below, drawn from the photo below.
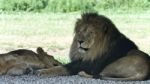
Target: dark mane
(95, 17)
(89, 16)
(100, 21)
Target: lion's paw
(84, 74)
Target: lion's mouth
(85, 49)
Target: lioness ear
(39, 50)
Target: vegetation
(74, 5)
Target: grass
(54, 31)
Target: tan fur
(18, 61)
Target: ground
(61, 80)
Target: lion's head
(93, 34)
(85, 38)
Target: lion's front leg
(54, 71)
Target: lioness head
(47, 59)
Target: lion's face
(85, 38)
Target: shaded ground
(60, 80)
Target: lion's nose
(80, 42)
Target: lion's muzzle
(82, 47)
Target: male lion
(24, 61)
(99, 50)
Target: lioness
(24, 61)
(100, 50)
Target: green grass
(54, 31)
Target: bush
(23, 5)
(73, 5)
(69, 5)
(46, 5)
(123, 5)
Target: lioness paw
(42, 73)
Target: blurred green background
(49, 23)
(74, 5)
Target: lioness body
(99, 50)
(21, 61)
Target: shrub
(73, 5)
(23, 5)
(123, 5)
(69, 5)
